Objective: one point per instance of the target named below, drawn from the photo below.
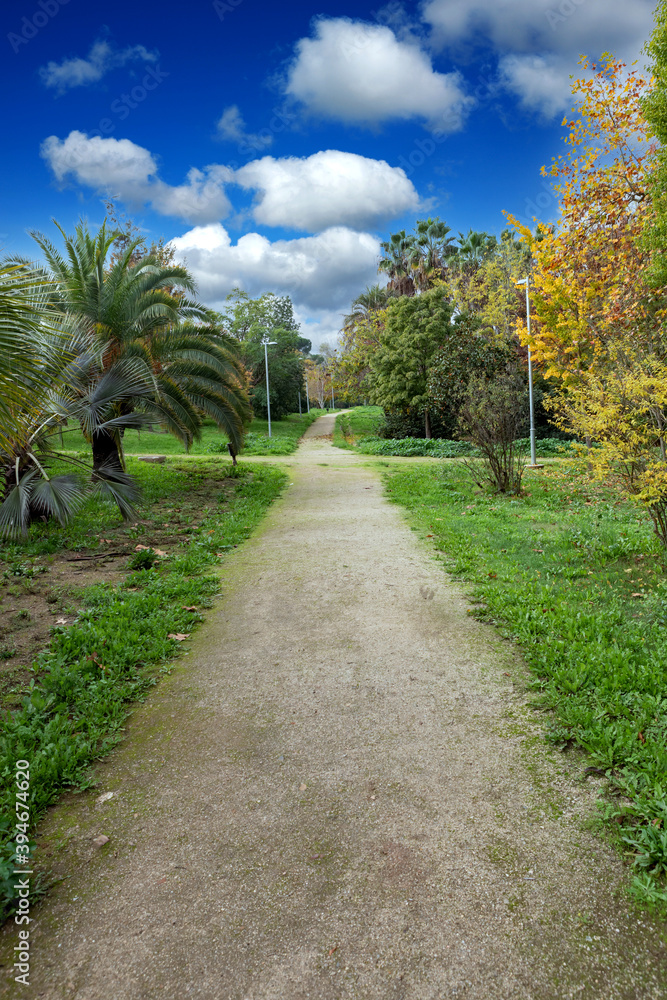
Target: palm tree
(396, 263)
(433, 248)
(24, 295)
(138, 309)
(373, 298)
(80, 389)
(474, 249)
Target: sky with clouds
(277, 145)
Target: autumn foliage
(598, 322)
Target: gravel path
(340, 793)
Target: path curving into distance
(340, 794)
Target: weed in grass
(572, 573)
(145, 559)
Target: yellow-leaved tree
(598, 325)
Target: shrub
(493, 414)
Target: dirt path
(338, 794)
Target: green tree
(415, 328)
(654, 108)
(244, 317)
(465, 354)
(286, 372)
(249, 320)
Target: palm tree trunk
(105, 451)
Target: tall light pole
(533, 460)
(267, 343)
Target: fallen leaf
(104, 798)
(641, 737)
(160, 552)
(492, 575)
(179, 636)
(332, 950)
(637, 595)
(188, 607)
(302, 787)
(61, 621)
(101, 841)
(141, 548)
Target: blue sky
(277, 144)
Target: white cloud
(360, 73)
(329, 188)
(100, 163)
(539, 41)
(533, 26)
(102, 58)
(120, 168)
(321, 273)
(542, 83)
(231, 127)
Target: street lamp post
(267, 343)
(533, 460)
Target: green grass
(213, 441)
(573, 573)
(78, 699)
(359, 422)
(413, 447)
(438, 447)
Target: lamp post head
(265, 340)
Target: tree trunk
(427, 425)
(105, 451)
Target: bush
(492, 416)
(411, 447)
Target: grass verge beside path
(573, 573)
(124, 633)
(357, 430)
(361, 421)
(284, 438)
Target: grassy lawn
(358, 430)
(572, 572)
(284, 438)
(359, 422)
(108, 603)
